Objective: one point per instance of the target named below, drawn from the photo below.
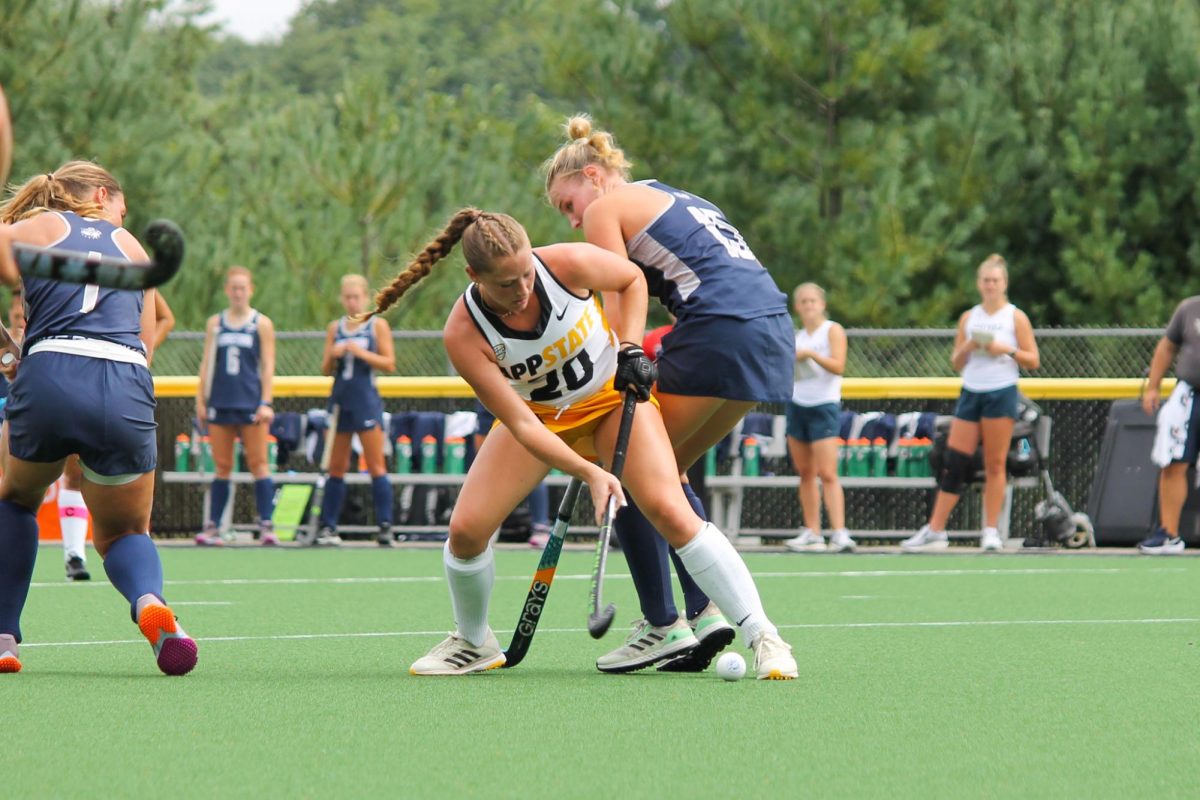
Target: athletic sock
(73, 521)
(720, 571)
(694, 598)
(218, 497)
(471, 583)
(331, 502)
(18, 552)
(133, 566)
(646, 554)
(381, 498)
(264, 498)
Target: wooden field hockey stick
(162, 237)
(318, 496)
(599, 620)
(531, 612)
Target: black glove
(635, 371)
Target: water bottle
(429, 448)
(921, 457)
(902, 457)
(183, 452)
(710, 461)
(402, 455)
(862, 455)
(456, 455)
(272, 454)
(750, 462)
(880, 457)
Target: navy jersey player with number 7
(530, 338)
(83, 387)
(731, 347)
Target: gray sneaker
(925, 540)
(713, 634)
(454, 655)
(648, 645)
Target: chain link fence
(1066, 353)
(873, 353)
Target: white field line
(875, 573)
(797, 626)
(201, 603)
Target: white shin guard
(718, 569)
(471, 582)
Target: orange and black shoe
(9, 654)
(174, 651)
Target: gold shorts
(576, 423)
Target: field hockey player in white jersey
(994, 341)
(531, 339)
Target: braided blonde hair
(485, 237)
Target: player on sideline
(354, 351)
(531, 339)
(812, 422)
(731, 348)
(83, 387)
(234, 401)
(995, 339)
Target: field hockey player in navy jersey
(354, 352)
(234, 401)
(730, 348)
(82, 387)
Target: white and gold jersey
(570, 355)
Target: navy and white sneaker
(1161, 543)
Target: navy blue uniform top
(353, 378)
(71, 309)
(236, 384)
(696, 263)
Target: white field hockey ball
(731, 667)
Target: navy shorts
(102, 410)
(233, 417)
(364, 415)
(813, 423)
(996, 404)
(729, 358)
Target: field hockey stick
(318, 496)
(531, 612)
(598, 621)
(162, 237)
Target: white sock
(471, 583)
(73, 520)
(993, 531)
(720, 572)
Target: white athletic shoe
(840, 541)
(713, 634)
(773, 659)
(991, 540)
(648, 645)
(807, 542)
(926, 539)
(454, 655)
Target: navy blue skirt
(729, 358)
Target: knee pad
(956, 471)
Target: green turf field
(922, 676)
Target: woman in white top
(995, 339)
(812, 421)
